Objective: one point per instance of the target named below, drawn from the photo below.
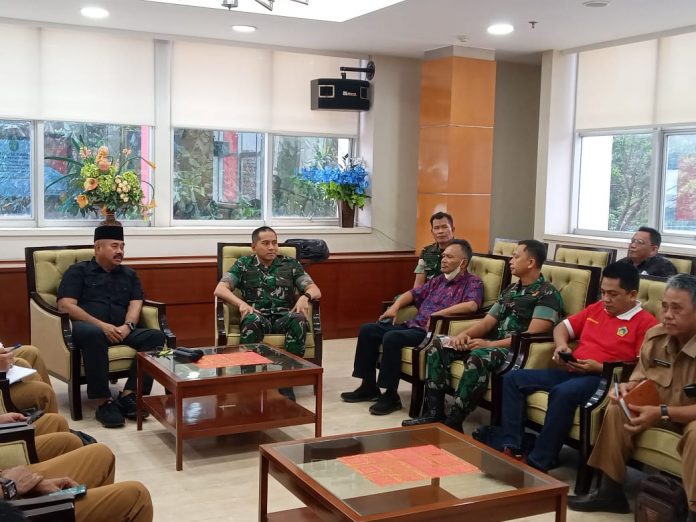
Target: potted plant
(103, 184)
(344, 181)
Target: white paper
(17, 373)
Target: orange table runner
(385, 468)
(222, 360)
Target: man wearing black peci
(104, 300)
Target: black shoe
(362, 394)
(386, 404)
(109, 414)
(86, 439)
(288, 393)
(427, 419)
(455, 419)
(128, 404)
(610, 502)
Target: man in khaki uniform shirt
(667, 357)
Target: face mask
(454, 273)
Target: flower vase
(110, 219)
(347, 215)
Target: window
(15, 169)
(59, 201)
(679, 208)
(218, 175)
(615, 173)
(221, 176)
(292, 197)
(636, 142)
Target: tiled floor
(220, 476)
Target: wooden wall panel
(353, 288)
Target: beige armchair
(580, 255)
(506, 247)
(51, 330)
(18, 448)
(588, 418)
(227, 318)
(683, 264)
(494, 271)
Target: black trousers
(94, 345)
(392, 338)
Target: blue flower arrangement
(342, 180)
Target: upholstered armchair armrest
(316, 316)
(17, 446)
(48, 317)
(220, 330)
(611, 371)
(56, 508)
(448, 319)
(529, 343)
(154, 315)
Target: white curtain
(239, 88)
(640, 84)
(100, 77)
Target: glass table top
(226, 361)
(382, 472)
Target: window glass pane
(218, 175)
(614, 182)
(680, 184)
(61, 188)
(15, 168)
(293, 197)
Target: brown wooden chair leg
(417, 390)
(75, 399)
(583, 480)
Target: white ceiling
(407, 29)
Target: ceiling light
(596, 3)
(243, 28)
(499, 29)
(94, 12)
(268, 4)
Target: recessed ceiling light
(500, 29)
(243, 28)
(94, 12)
(596, 3)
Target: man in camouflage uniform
(442, 228)
(267, 282)
(530, 305)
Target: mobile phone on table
(78, 491)
(567, 357)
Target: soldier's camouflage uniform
(429, 261)
(272, 292)
(516, 307)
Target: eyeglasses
(640, 242)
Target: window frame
(284, 221)
(658, 168)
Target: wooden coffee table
(240, 394)
(403, 484)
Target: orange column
(456, 147)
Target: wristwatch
(9, 488)
(308, 296)
(664, 413)
(130, 325)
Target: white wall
(389, 143)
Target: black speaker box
(337, 94)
